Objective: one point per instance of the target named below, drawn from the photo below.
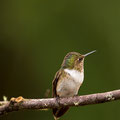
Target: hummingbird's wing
(58, 112)
(55, 81)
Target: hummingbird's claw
(58, 100)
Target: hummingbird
(68, 79)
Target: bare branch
(20, 103)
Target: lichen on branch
(20, 103)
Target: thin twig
(16, 104)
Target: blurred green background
(35, 35)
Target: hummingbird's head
(74, 60)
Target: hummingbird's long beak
(89, 53)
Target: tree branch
(16, 104)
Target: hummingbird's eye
(79, 59)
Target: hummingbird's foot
(75, 95)
(58, 100)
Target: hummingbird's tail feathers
(55, 118)
(58, 112)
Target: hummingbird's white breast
(69, 86)
(77, 76)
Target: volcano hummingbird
(68, 79)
